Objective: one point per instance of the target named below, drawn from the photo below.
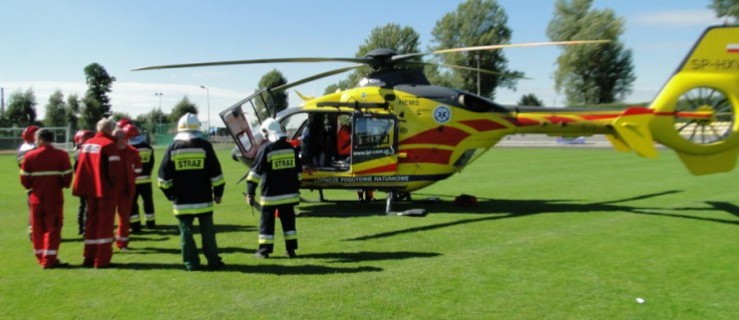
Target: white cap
(188, 122)
(273, 129)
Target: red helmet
(29, 133)
(123, 122)
(81, 136)
(131, 131)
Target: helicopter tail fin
(696, 111)
(631, 132)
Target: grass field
(557, 234)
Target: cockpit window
(374, 132)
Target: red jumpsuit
(45, 171)
(127, 190)
(344, 142)
(99, 169)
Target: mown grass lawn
(557, 234)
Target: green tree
(72, 111)
(96, 101)
(531, 100)
(91, 113)
(181, 108)
(390, 36)
(726, 8)
(149, 120)
(273, 79)
(591, 73)
(475, 23)
(54, 116)
(21, 108)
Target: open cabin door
(244, 119)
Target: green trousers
(208, 234)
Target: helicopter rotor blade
(315, 77)
(407, 56)
(454, 66)
(253, 61)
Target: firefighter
(190, 176)
(45, 171)
(127, 188)
(99, 170)
(277, 167)
(79, 138)
(143, 185)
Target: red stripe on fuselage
(556, 119)
(483, 125)
(444, 135)
(426, 155)
(388, 168)
(600, 116)
(523, 122)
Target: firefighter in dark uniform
(143, 186)
(190, 176)
(277, 167)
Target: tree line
(590, 74)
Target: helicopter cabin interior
(335, 141)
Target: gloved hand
(250, 200)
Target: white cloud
(678, 18)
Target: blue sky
(45, 45)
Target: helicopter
(406, 134)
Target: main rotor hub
(381, 59)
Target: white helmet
(273, 130)
(188, 122)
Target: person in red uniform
(99, 169)
(127, 188)
(29, 142)
(45, 171)
(344, 142)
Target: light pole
(207, 92)
(159, 94)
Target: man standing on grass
(45, 171)
(29, 143)
(190, 176)
(143, 186)
(99, 170)
(127, 188)
(277, 168)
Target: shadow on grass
(339, 257)
(177, 251)
(342, 209)
(307, 269)
(261, 269)
(497, 209)
(725, 206)
(364, 256)
(175, 230)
